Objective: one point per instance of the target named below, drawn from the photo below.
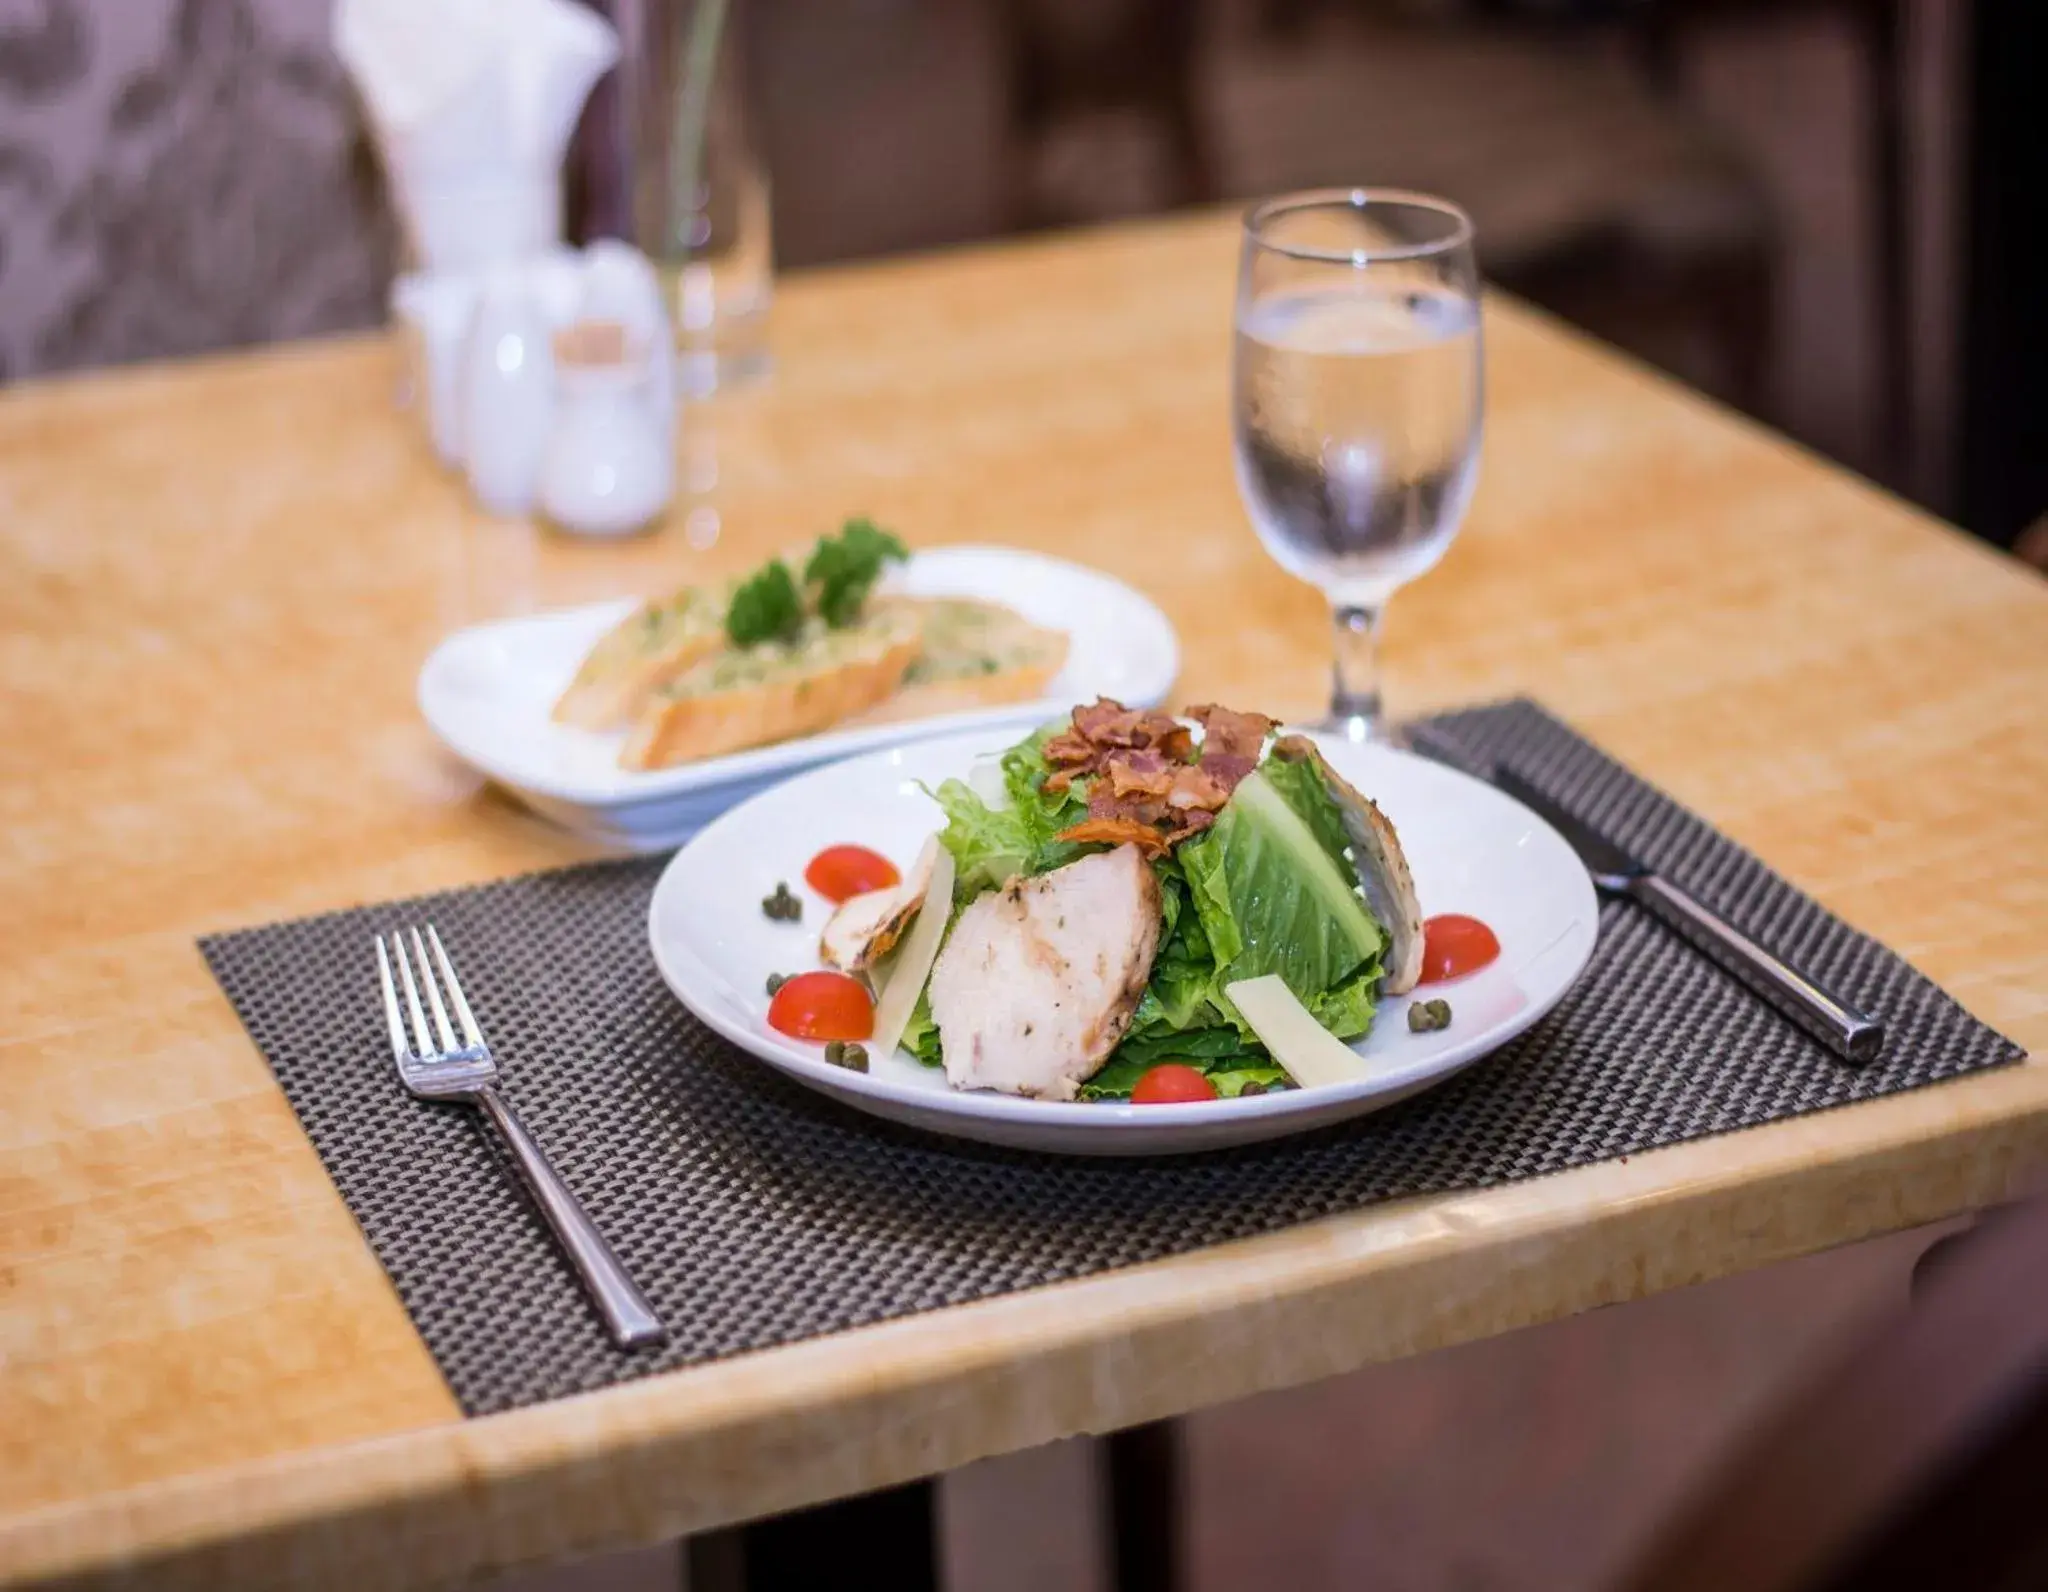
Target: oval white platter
(488, 693)
(1472, 849)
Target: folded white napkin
(473, 103)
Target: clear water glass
(1357, 383)
(695, 184)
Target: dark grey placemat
(754, 1213)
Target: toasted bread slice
(655, 642)
(750, 696)
(974, 654)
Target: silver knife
(1849, 1033)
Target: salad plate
(488, 693)
(733, 908)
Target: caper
(854, 1057)
(835, 1052)
(1425, 1017)
(776, 981)
(1252, 1088)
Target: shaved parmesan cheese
(912, 964)
(985, 779)
(1312, 1055)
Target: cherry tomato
(822, 1006)
(839, 872)
(1454, 945)
(1171, 1084)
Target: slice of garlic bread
(750, 696)
(655, 642)
(972, 654)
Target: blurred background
(1812, 209)
(1802, 206)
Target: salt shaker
(609, 467)
(508, 394)
(619, 284)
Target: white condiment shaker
(619, 284)
(610, 463)
(508, 394)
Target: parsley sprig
(766, 607)
(770, 606)
(842, 568)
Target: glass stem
(1355, 709)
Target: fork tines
(423, 1046)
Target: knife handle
(1849, 1033)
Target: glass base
(1364, 729)
(1355, 727)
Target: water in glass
(1357, 430)
(1355, 404)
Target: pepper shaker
(609, 467)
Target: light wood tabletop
(218, 579)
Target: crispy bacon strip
(1106, 731)
(1231, 742)
(1197, 789)
(1105, 722)
(1146, 789)
(1116, 831)
(1069, 749)
(1127, 778)
(1227, 732)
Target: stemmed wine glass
(1355, 404)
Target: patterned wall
(178, 176)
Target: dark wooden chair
(1914, 1460)
(1879, 28)
(1594, 190)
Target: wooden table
(219, 578)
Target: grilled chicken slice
(867, 926)
(1038, 980)
(1377, 859)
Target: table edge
(652, 1460)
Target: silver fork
(467, 1074)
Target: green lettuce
(993, 844)
(1225, 1056)
(920, 1033)
(1268, 888)
(1301, 788)
(1273, 897)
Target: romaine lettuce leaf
(1222, 1048)
(1231, 1080)
(1347, 1010)
(992, 844)
(1301, 787)
(1273, 899)
(1184, 970)
(920, 1033)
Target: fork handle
(626, 1311)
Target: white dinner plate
(488, 692)
(1472, 849)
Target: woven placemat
(755, 1213)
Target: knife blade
(1611, 867)
(1851, 1034)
